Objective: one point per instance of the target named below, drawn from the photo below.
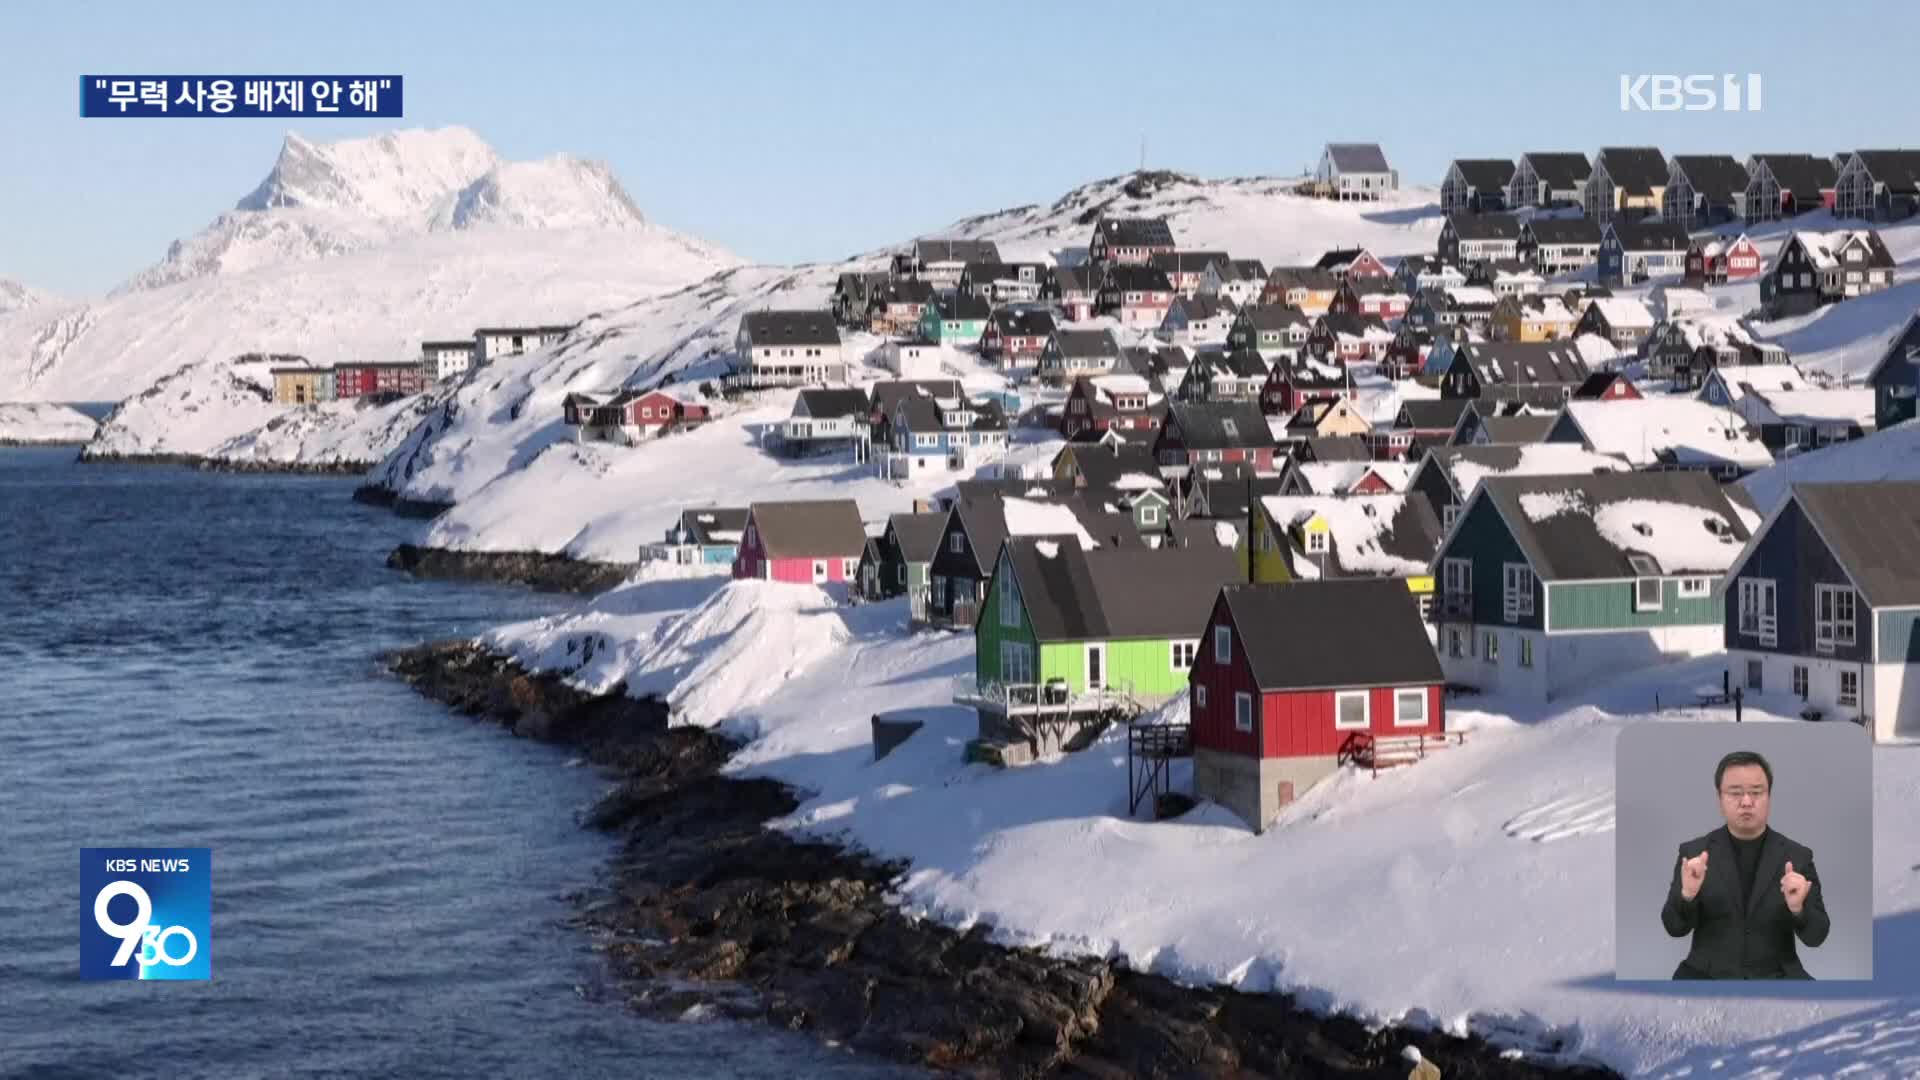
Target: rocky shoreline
(386, 498)
(206, 464)
(536, 569)
(705, 906)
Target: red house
(1111, 403)
(802, 542)
(1292, 681)
(368, 378)
(1292, 382)
(1713, 261)
(640, 414)
(1214, 433)
(1353, 262)
(1607, 386)
(1375, 296)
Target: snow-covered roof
(1623, 312)
(1822, 406)
(1469, 294)
(1468, 465)
(1373, 535)
(1759, 378)
(1693, 432)
(1679, 537)
(1712, 330)
(1025, 518)
(1333, 477)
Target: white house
(788, 348)
(446, 359)
(1354, 171)
(490, 343)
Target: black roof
(1525, 363)
(1717, 176)
(1805, 175)
(1650, 234)
(1075, 594)
(1335, 448)
(963, 251)
(1220, 425)
(1186, 262)
(1634, 169)
(1134, 232)
(1358, 157)
(1102, 465)
(1599, 382)
(1099, 342)
(921, 413)
(1131, 277)
(1433, 413)
(918, 534)
(702, 522)
(1274, 316)
(1565, 230)
(1314, 278)
(791, 327)
(1306, 374)
(1485, 226)
(1898, 169)
(1873, 530)
(887, 393)
(1567, 544)
(1516, 430)
(1335, 258)
(1485, 173)
(832, 402)
(1560, 170)
(1023, 322)
(963, 305)
(983, 513)
(1363, 632)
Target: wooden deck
(1376, 752)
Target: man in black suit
(1744, 891)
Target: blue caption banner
(239, 95)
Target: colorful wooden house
(1537, 373)
(1066, 631)
(1219, 375)
(1548, 179)
(1475, 185)
(1073, 354)
(1627, 182)
(955, 319)
(1664, 433)
(633, 416)
(898, 561)
(1784, 185)
(1295, 382)
(1878, 185)
(800, 542)
(1447, 476)
(1129, 241)
(1816, 610)
(1379, 298)
(1238, 280)
(1704, 190)
(978, 523)
(1816, 268)
(1896, 377)
(701, 536)
(953, 433)
(1327, 418)
(1203, 433)
(1550, 582)
(1622, 321)
(1307, 289)
(1353, 171)
(1346, 534)
(1273, 711)
(1197, 321)
(1632, 251)
(1015, 338)
(1138, 296)
(1607, 386)
(1124, 403)
(788, 348)
(1531, 318)
(1186, 269)
(1716, 260)
(1560, 245)
(1347, 339)
(896, 307)
(1468, 238)
(1354, 262)
(1274, 330)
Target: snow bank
(39, 423)
(1893, 454)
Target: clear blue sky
(801, 131)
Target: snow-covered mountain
(39, 423)
(360, 248)
(15, 296)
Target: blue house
(704, 536)
(1823, 605)
(1896, 378)
(930, 431)
(1633, 251)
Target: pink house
(810, 542)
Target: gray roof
(1717, 176)
(819, 528)
(1650, 234)
(1023, 322)
(1433, 414)
(1302, 277)
(1485, 226)
(918, 534)
(962, 305)
(1358, 157)
(1569, 546)
(921, 413)
(887, 393)
(1366, 632)
(964, 251)
(1086, 342)
(1566, 230)
(1516, 430)
(1135, 232)
(1103, 465)
(1873, 530)
(791, 327)
(1186, 262)
(1107, 593)
(1220, 425)
(1560, 170)
(1304, 375)
(1130, 277)
(821, 403)
(1635, 169)
(1898, 169)
(1485, 173)
(1274, 316)
(703, 521)
(1524, 363)
(1805, 175)
(1336, 448)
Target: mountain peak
(394, 176)
(15, 296)
(559, 192)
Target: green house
(1546, 583)
(958, 319)
(1067, 630)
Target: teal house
(957, 319)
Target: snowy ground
(1472, 891)
(38, 422)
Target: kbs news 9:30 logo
(146, 913)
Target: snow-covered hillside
(360, 249)
(223, 411)
(494, 427)
(42, 423)
(1473, 891)
(15, 296)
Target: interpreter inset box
(1743, 851)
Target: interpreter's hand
(1793, 887)
(1693, 874)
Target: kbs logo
(1689, 93)
(146, 913)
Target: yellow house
(1532, 318)
(1307, 537)
(1320, 419)
(302, 385)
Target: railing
(1376, 752)
(1456, 605)
(1029, 698)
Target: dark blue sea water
(188, 659)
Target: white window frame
(819, 571)
(1754, 620)
(1009, 603)
(1242, 711)
(1516, 596)
(1526, 651)
(1223, 645)
(1400, 697)
(1799, 681)
(1149, 515)
(1340, 697)
(1010, 651)
(1456, 576)
(1830, 630)
(1491, 650)
(1639, 598)
(1693, 588)
(1845, 699)
(1316, 541)
(957, 543)
(1199, 695)
(1189, 647)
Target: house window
(1409, 708)
(1350, 710)
(1450, 515)
(819, 570)
(1457, 577)
(1183, 654)
(1243, 711)
(901, 573)
(1517, 591)
(848, 566)
(1491, 652)
(1454, 647)
(1754, 680)
(1222, 645)
(1646, 594)
(957, 543)
(1149, 515)
(1316, 542)
(1833, 617)
(1016, 663)
(1199, 695)
(1526, 651)
(1009, 602)
(1758, 616)
(1692, 588)
(1800, 681)
(1850, 689)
